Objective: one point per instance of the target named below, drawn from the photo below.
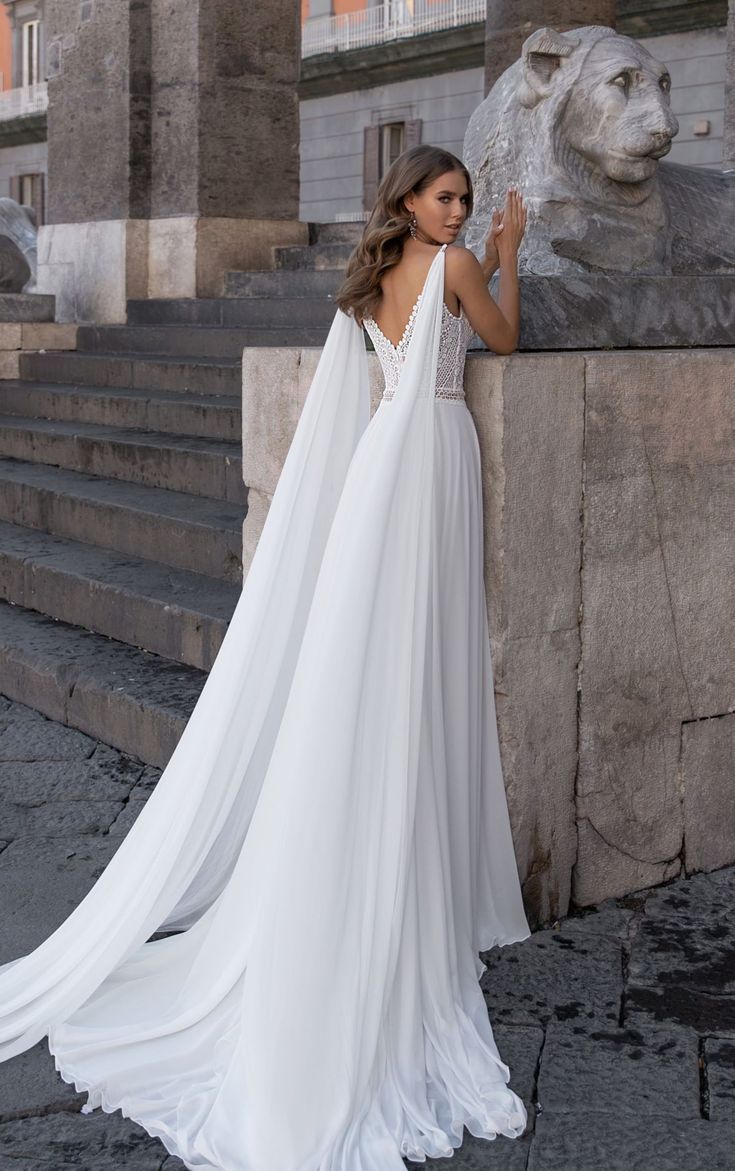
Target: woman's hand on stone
(512, 226)
(492, 258)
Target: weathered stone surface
(728, 145)
(92, 268)
(96, 1142)
(600, 311)
(10, 336)
(41, 796)
(719, 1056)
(622, 1071)
(556, 973)
(9, 364)
(599, 199)
(682, 960)
(707, 759)
(48, 336)
(519, 1048)
(26, 307)
(137, 798)
(476, 1154)
(43, 880)
(34, 1087)
(659, 489)
(531, 453)
(37, 738)
(638, 1142)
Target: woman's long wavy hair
(381, 244)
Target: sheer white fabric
(331, 830)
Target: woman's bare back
(401, 287)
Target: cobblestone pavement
(618, 1023)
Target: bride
(279, 967)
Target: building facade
(23, 103)
(377, 79)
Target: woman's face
(441, 208)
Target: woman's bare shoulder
(462, 267)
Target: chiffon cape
(275, 842)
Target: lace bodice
(456, 333)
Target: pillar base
(94, 268)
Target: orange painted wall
(6, 56)
(342, 6)
(338, 7)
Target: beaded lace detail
(456, 333)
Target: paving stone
(609, 918)
(566, 973)
(41, 739)
(719, 1055)
(475, 1154)
(64, 797)
(637, 1142)
(86, 1142)
(139, 794)
(34, 1087)
(682, 960)
(588, 1069)
(520, 1046)
(42, 881)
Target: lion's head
(579, 122)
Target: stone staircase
(122, 501)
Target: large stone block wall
(609, 498)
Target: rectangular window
(30, 190)
(29, 48)
(392, 136)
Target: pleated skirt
(437, 1068)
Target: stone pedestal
(509, 22)
(609, 491)
(599, 312)
(185, 164)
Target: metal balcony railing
(387, 22)
(29, 99)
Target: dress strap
(443, 248)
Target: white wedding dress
(331, 836)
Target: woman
(330, 838)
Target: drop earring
(412, 225)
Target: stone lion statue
(18, 246)
(579, 124)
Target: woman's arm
(496, 322)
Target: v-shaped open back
(456, 333)
(406, 330)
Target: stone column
(509, 22)
(173, 147)
(728, 155)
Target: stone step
(132, 699)
(339, 232)
(203, 376)
(203, 467)
(171, 612)
(209, 417)
(227, 312)
(284, 283)
(313, 256)
(263, 321)
(176, 528)
(26, 307)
